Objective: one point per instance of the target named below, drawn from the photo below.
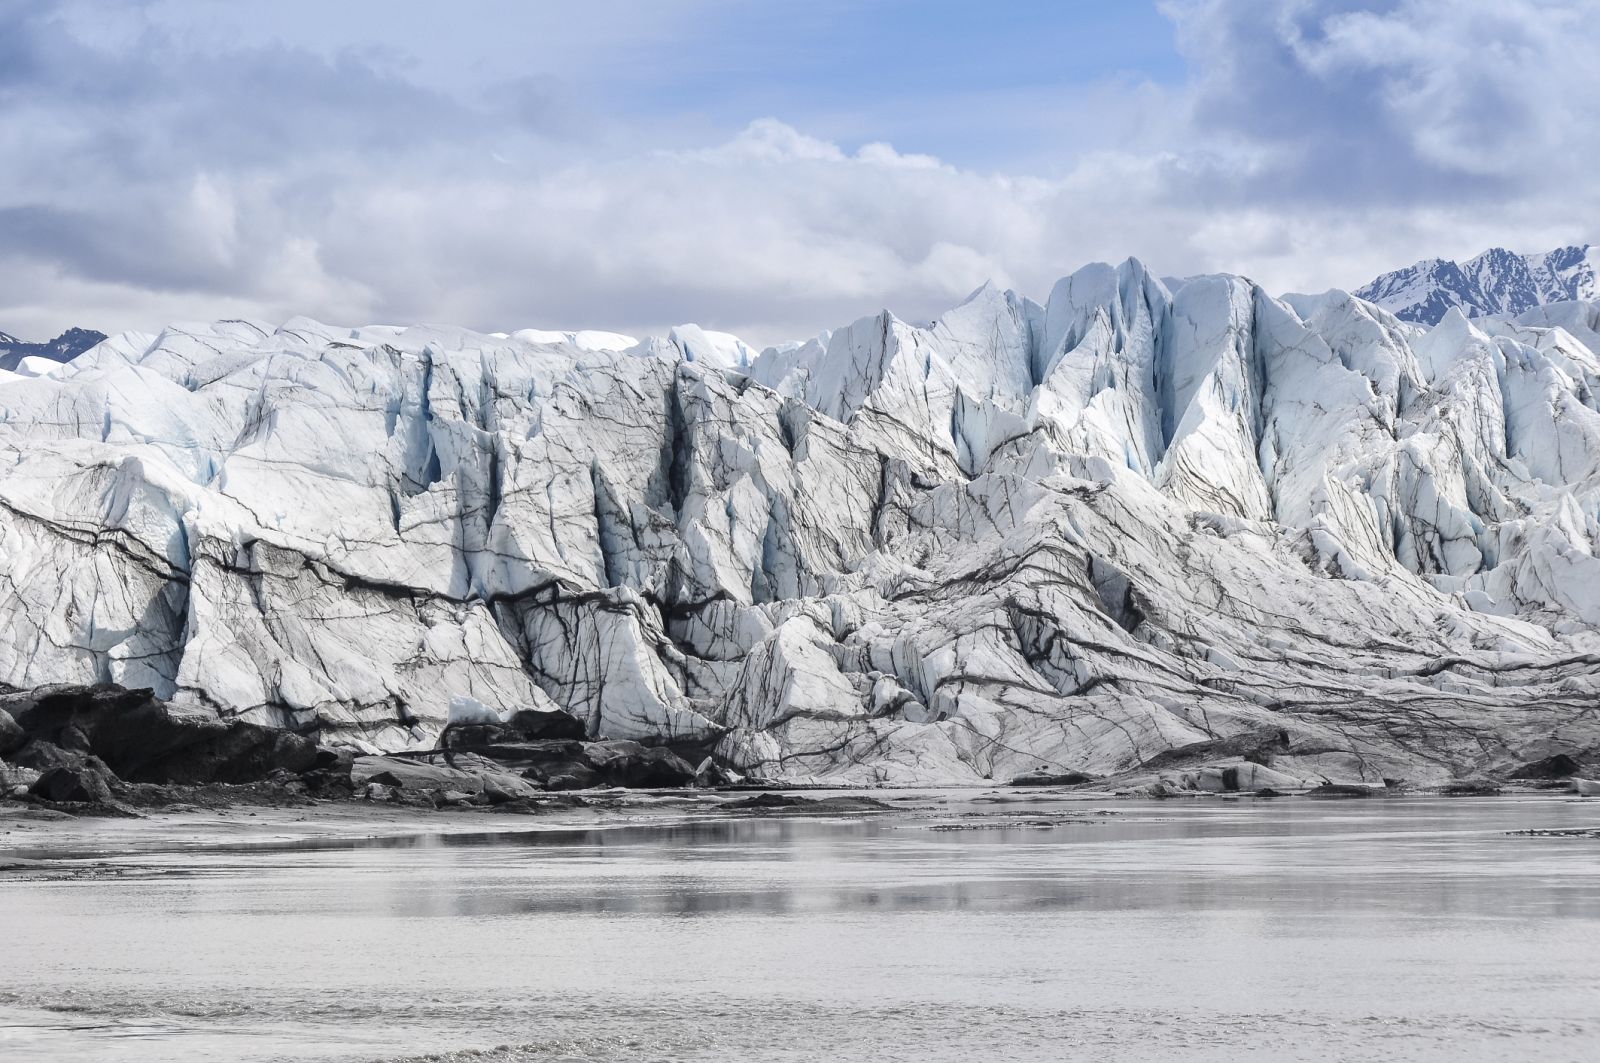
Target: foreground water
(1412, 929)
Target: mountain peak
(64, 348)
(1498, 281)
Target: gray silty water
(964, 929)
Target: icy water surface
(1411, 929)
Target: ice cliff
(1068, 536)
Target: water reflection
(1275, 931)
(1443, 858)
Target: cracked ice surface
(1068, 536)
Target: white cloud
(1470, 81)
(1316, 144)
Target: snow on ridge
(1495, 282)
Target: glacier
(1074, 536)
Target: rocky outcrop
(139, 739)
(64, 785)
(1059, 538)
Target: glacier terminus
(1298, 535)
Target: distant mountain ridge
(64, 348)
(1495, 282)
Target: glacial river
(961, 928)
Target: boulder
(81, 785)
(661, 767)
(604, 754)
(469, 774)
(410, 775)
(634, 765)
(334, 760)
(709, 773)
(570, 776)
(12, 736)
(324, 783)
(42, 756)
(502, 789)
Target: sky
(761, 167)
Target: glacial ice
(1060, 537)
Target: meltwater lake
(962, 926)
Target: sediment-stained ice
(1065, 537)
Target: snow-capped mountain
(1068, 536)
(64, 348)
(1496, 282)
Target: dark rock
(633, 765)
(768, 801)
(334, 760)
(320, 782)
(663, 767)
(782, 802)
(137, 736)
(709, 773)
(1560, 766)
(475, 735)
(329, 776)
(536, 726)
(1255, 746)
(521, 805)
(12, 736)
(1339, 789)
(1470, 788)
(42, 756)
(525, 725)
(535, 753)
(73, 739)
(504, 789)
(604, 754)
(1047, 778)
(572, 776)
(1267, 791)
(444, 772)
(78, 785)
